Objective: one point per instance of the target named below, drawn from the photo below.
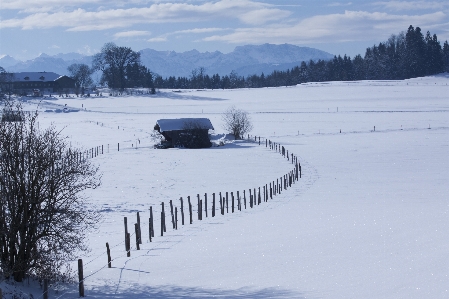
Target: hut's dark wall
(193, 138)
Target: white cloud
(261, 16)
(82, 20)
(350, 26)
(54, 47)
(337, 4)
(157, 39)
(198, 30)
(132, 33)
(412, 5)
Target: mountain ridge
(245, 60)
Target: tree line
(405, 55)
(402, 56)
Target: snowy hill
(368, 218)
(245, 60)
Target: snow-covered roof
(182, 123)
(35, 76)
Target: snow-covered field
(368, 219)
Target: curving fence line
(190, 211)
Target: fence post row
(255, 198)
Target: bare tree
(236, 122)
(81, 73)
(44, 215)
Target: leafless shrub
(236, 122)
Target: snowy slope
(368, 218)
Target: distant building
(185, 132)
(46, 82)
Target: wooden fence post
(44, 294)
(244, 198)
(118, 147)
(172, 216)
(176, 218)
(271, 192)
(213, 204)
(128, 244)
(152, 222)
(102, 149)
(80, 278)
(182, 211)
(125, 220)
(221, 204)
(205, 203)
(232, 197)
(264, 194)
(108, 252)
(162, 223)
(139, 230)
(163, 211)
(190, 209)
(227, 203)
(136, 229)
(199, 208)
(149, 228)
(250, 199)
(239, 203)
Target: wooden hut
(185, 132)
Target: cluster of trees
(405, 55)
(120, 67)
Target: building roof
(35, 77)
(183, 123)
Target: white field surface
(368, 219)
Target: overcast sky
(31, 27)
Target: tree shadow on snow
(138, 291)
(183, 96)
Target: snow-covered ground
(368, 219)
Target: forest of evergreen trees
(406, 55)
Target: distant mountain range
(245, 60)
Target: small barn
(185, 132)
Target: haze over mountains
(245, 60)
